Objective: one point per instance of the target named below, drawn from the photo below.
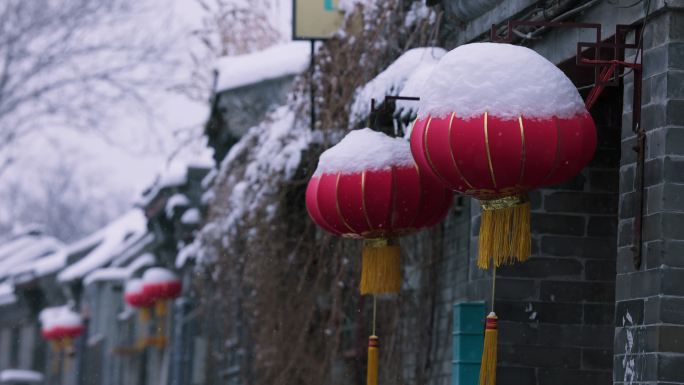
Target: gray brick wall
(649, 333)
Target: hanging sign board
(315, 19)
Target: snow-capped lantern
(60, 325)
(161, 285)
(495, 121)
(136, 298)
(369, 187)
(69, 325)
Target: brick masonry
(649, 320)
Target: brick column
(649, 319)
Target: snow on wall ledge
(365, 149)
(502, 79)
(274, 62)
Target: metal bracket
(607, 72)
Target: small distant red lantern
(60, 325)
(136, 298)
(161, 285)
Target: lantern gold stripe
(337, 205)
(522, 151)
(489, 155)
(427, 153)
(453, 157)
(393, 199)
(556, 161)
(363, 200)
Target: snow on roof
(116, 237)
(20, 376)
(23, 254)
(271, 63)
(402, 77)
(7, 296)
(175, 173)
(502, 79)
(119, 273)
(365, 149)
(176, 200)
(134, 247)
(191, 217)
(155, 275)
(40, 267)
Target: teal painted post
(468, 337)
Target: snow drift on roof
(502, 79)
(402, 77)
(119, 273)
(176, 200)
(116, 237)
(365, 150)
(36, 251)
(191, 217)
(7, 296)
(274, 62)
(20, 376)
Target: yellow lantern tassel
(161, 308)
(380, 267)
(488, 366)
(504, 231)
(144, 314)
(373, 356)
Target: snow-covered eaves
(119, 273)
(7, 296)
(115, 239)
(135, 248)
(271, 63)
(20, 376)
(175, 174)
(27, 253)
(191, 217)
(404, 77)
(176, 200)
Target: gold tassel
(380, 267)
(488, 366)
(504, 231)
(373, 353)
(144, 315)
(161, 308)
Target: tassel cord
(375, 312)
(493, 286)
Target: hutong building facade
(269, 299)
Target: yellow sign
(315, 19)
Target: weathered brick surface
(650, 298)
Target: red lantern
(160, 285)
(369, 187)
(60, 326)
(136, 298)
(496, 121)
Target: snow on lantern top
(365, 149)
(504, 80)
(156, 275)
